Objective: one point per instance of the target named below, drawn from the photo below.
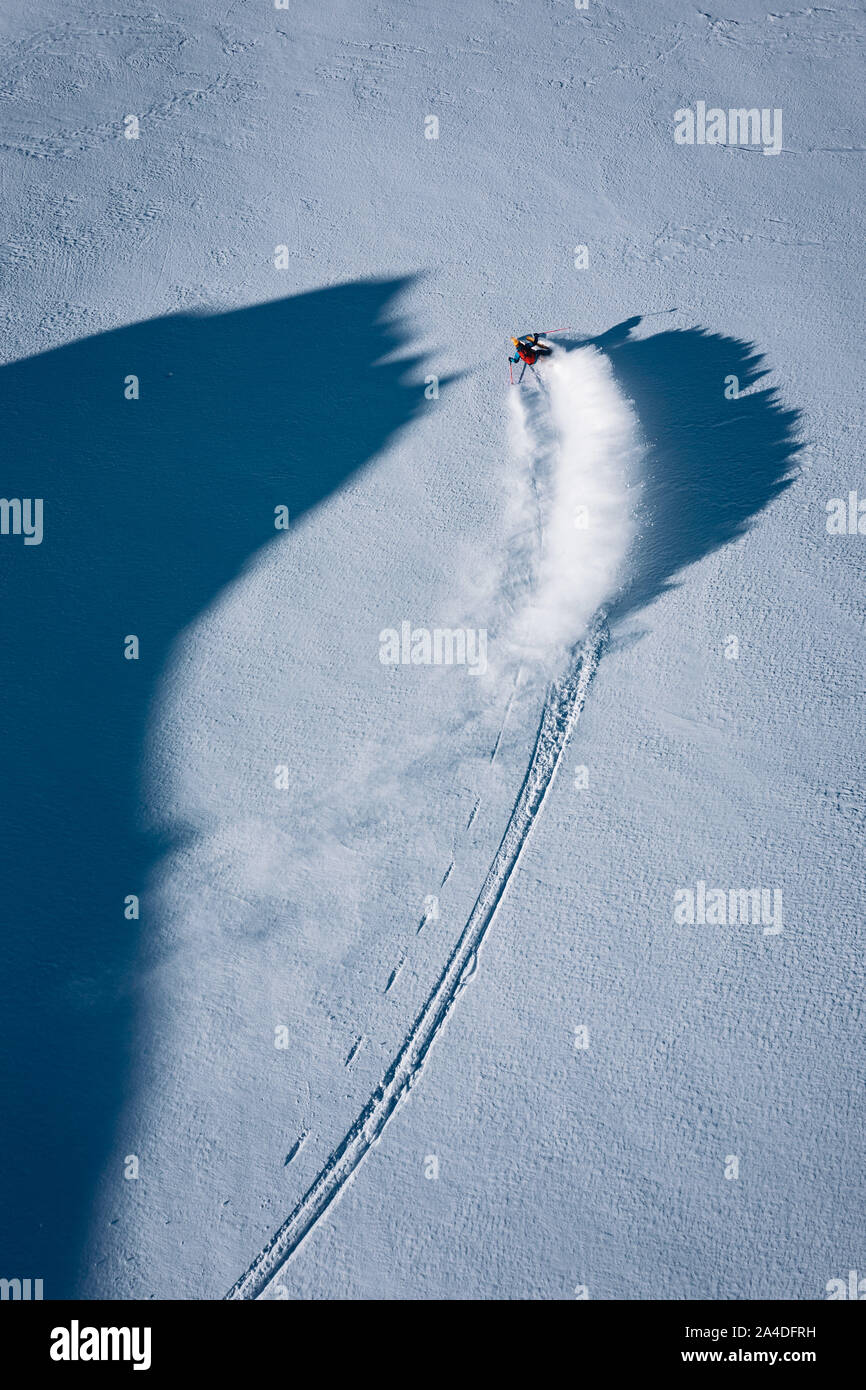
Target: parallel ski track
(562, 708)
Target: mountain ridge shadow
(151, 506)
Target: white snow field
(534, 972)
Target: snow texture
(410, 1006)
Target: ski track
(562, 707)
(585, 443)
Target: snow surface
(460, 874)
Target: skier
(529, 349)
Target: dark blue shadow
(712, 463)
(151, 507)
